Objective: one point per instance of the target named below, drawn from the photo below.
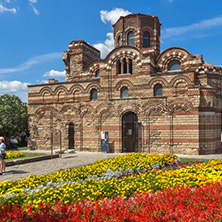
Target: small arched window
(125, 66)
(97, 74)
(124, 92)
(119, 41)
(130, 39)
(93, 94)
(158, 90)
(174, 66)
(146, 40)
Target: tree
(13, 116)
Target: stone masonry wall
(162, 129)
(186, 118)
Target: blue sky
(34, 33)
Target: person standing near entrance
(2, 156)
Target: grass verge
(22, 148)
(27, 155)
(193, 160)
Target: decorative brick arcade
(148, 101)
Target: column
(128, 65)
(122, 66)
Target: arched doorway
(71, 135)
(130, 132)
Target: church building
(146, 100)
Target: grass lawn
(192, 160)
(22, 148)
(27, 155)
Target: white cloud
(54, 73)
(107, 46)
(12, 86)
(32, 2)
(30, 62)
(113, 15)
(195, 28)
(109, 16)
(4, 9)
(15, 87)
(7, 1)
(41, 81)
(34, 9)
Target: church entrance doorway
(130, 132)
(71, 135)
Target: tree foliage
(13, 116)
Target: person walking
(2, 156)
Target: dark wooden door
(130, 132)
(129, 137)
(71, 136)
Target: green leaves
(13, 116)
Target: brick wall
(185, 119)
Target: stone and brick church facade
(148, 101)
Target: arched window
(130, 39)
(93, 94)
(97, 74)
(174, 66)
(124, 66)
(124, 92)
(158, 90)
(119, 41)
(146, 40)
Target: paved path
(69, 161)
(48, 166)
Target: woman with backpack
(2, 156)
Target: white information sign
(102, 135)
(130, 132)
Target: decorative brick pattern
(185, 119)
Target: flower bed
(122, 177)
(172, 204)
(11, 155)
(91, 189)
(128, 161)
